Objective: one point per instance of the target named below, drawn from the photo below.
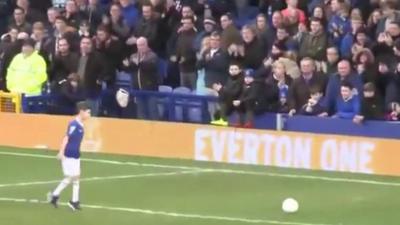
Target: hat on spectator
(210, 20)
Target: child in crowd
(314, 105)
(347, 104)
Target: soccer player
(69, 155)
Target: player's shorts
(71, 167)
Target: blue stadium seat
(123, 80)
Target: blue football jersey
(75, 135)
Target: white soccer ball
(290, 205)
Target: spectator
(215, 62)
(209, 26)
(283, 37)
(262, 30)
(299, 91)
(230, 34)
(40, 38)
(228, 93)
(117, 23)
(372, 23)
(366, 66)
(19, 21)
(332, 59)
(62, 30)
(361, 41)
(9, 53)
(339, 23)
(349, 38)
(314, 106)
(27, 71)
(91, 70)
(31, 14)
(371, 105)
(390, 14)
(282, 83)
(70, 92)
(347, 104)
(112, 48)
(319, 13)
(147, 27)
(143, 67)
(253, 49)
(345, 74)
(384, 47)
(52, 14)
(93, 12)
(246, 104)
(185, 54)
(314, 43)
(64, 63)
(277, 21)
(73, 15)
(129, 12)
(294, 16)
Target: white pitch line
(105, 178)
(169, 214)
(228, 171)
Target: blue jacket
(346, 45)
(333, 89)
(348, 109)
(341, 23)
(131, 15)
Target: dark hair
(236, 63)
(315, 90)
(147, 4)
(82, 106)
(228, 15)
(315, 19)
(104, 28)
(347, 84)
(62, 18)
(369, 87)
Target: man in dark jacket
(143, 67)
(148, 27)
(215, 61)
(64, 63)
(112, 48)
(185, 53)
(91, 71)
(299, 91)
(254, 53)
(314, 43)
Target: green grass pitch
(127, 190)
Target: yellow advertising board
(206, 143)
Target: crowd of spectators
(337, 58)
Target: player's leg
(67, 170)
(74, 203)
(56, 193)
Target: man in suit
(215, 62)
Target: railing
(199, 109)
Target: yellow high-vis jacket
(26, 75)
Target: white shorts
(71, 167)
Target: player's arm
(62, 148)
